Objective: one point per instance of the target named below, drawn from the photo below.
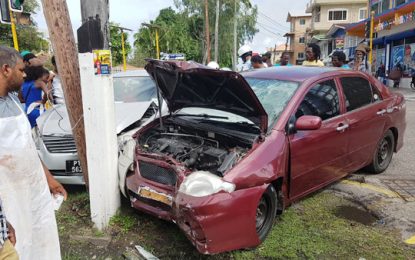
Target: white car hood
(56, 121)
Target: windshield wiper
(202, 116)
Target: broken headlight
(202, 183)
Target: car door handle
(342, 127)
(381, 112)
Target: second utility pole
(207, 30)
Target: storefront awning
(401, 35)
(379, 41)
(319, 37)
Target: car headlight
(201, 183)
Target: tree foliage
(182, 31)
(116, 44)
(29, 38)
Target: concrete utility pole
(235, 37)
(97, 9)
(217, 31)
(207, 30)
(63, 42)
(99, 113)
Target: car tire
(383, 153)
(266, 212)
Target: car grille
(158, 174)
(59, 144)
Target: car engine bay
(195, 149)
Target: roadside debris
(145, 254)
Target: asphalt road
(390, 196)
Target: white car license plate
(73, 167)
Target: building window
(317, 15)
(362, 13)
(375, 8)
(300, 56)
(399, 2)
(301, 40)
(385, 6)
(337, 15)
(302, 21)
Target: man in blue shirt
(284, 60)
(338, 59)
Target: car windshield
(273, 94)
(134, 89)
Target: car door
(318, 157)
(366, 118)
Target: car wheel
(265, 212)
(383, 154)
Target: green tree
(116, 44)
(246, 21)
(182, 31)
(29, 38)
(178, 34)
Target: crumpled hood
(56, 121)
(190, 84)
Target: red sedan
(236, 149)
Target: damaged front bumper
(215, 223)
(220, 222)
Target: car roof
(290, 73)
(131, 73)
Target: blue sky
(131, 13)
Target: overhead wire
(273, 21)
(270, 28)
(270, 31)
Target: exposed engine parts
(196, 151)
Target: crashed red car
(236, 149)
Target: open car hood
(56, 121)
(190, 84)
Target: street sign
(16, 5)
(4, 12)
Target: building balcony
(314, 3)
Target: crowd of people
(313, 58)
(28, 227)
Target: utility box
(90, 36)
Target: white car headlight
(201, 183)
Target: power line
(271, 30)
(266, 29)
(270, 27)
(272, 20)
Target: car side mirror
(308, 123)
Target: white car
(135, 97)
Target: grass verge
(309, 229)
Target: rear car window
(357, 92)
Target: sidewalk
(408, 93)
